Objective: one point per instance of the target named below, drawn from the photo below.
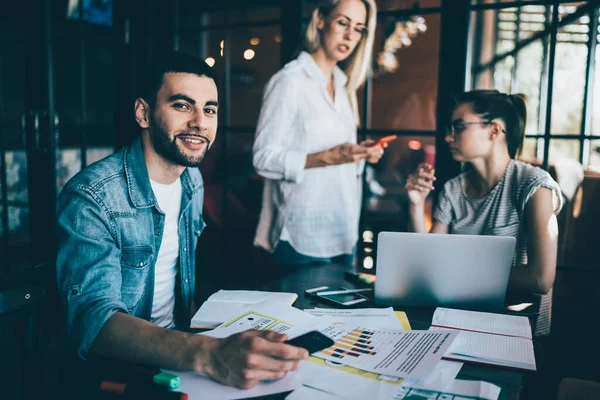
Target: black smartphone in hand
(313, 341)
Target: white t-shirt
(167, 261)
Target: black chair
(21, 364)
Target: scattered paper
(459, 390)
(264, 316)
(371, 317)
(344, 380)
(391, 352)
(305, 392)
(347, 382)
(226, 304)
(201, 387)
(442, 376)
(500, 324)
(493, 349)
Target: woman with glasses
(306, 140)
(497, 195)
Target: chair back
(21, 364)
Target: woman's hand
(420, 184)
(375, 152)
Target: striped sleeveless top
(500, 213)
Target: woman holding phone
(497, 195)
(306, 145)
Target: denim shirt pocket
(199, 227)
(135, 263)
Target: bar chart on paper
(397, 353)
(353, 345)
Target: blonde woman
(306, 145)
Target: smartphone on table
(343, 300)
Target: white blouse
(316, 210)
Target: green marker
(167, 380)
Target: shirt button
(185, 249)
(157, 233)
(186, 281)
(141, 264)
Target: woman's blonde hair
(357, 65)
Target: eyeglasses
(342, 25)
(458, 127)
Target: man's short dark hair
(153, 76)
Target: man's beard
(170, 151)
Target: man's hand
(245, 359)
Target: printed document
(372, 317)
(458, 390)
(500, 324)
(393, 352)
(488, 338)
(226, 304)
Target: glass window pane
(530, 63)
(594, 161)
(482, 49)
(18, 224)
(406, 98)
(569, 75)
(96, 154)
(529, 152)
(529, 72)
(495, 34)
(17, 193)
(16, 177)
(563, 148)
(68, 164)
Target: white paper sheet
(500, 324)
(226, 304)
(264, 316)
(346, 385)
(201, 387)
(305, 392)
(442, 376)
(384, 351)
(355, 387)
(493, 349)
(371, 317)
(459, 390)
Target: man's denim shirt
(110, 229)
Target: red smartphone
(384, 139)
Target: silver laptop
(430, 270)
